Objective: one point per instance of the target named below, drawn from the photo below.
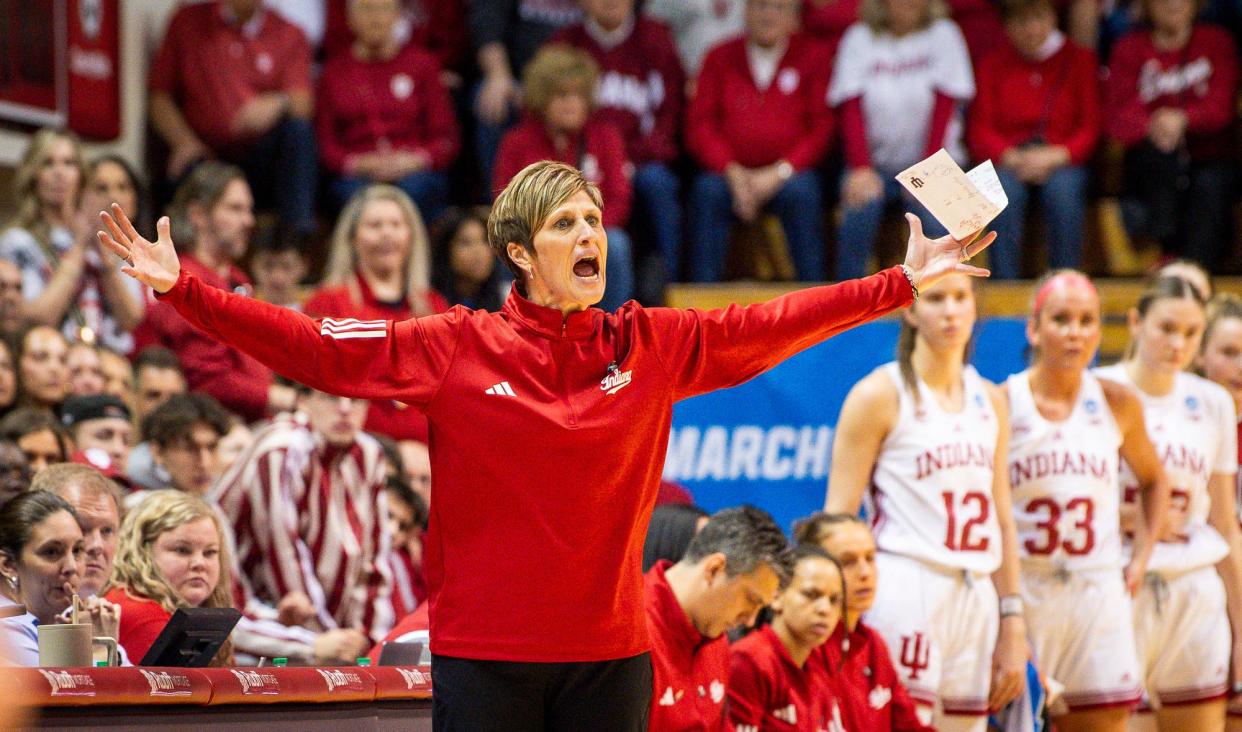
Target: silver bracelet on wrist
(910, 278)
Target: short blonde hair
(343, 256)
(527, 201)
(554, 69)
(875, 14)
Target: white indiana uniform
(1065, 502)
(938, 538)
(1181, 628)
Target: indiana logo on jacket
(616, 380)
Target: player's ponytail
(906, 338)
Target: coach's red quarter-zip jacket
(546, 460)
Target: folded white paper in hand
(963, 203)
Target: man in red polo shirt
(232, 80)
(732, 569)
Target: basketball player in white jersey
(927, 434)
(1181, 617)
(1220, 360)
(1066, 430)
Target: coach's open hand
(155, 264)
(930, 260)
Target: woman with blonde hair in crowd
(925, 435)
(379, 268)
(1193, 584)
(1068, 428)
(172, 554)
(65, 281)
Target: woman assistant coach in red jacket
(550, 420)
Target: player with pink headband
(1067, 428)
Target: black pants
(1184, 204)
(473, 696)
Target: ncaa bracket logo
(90, 16)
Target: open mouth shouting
(587, 268)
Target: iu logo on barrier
(915, 654)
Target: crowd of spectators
(692, 116)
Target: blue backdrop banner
(768, 442)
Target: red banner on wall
(94, 68)
(32, 61)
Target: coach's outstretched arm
(403, 360)
(708, 350)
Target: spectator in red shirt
(777, 682)
(871, 695)
(379, 268)
(214, 213)
(1036, 115)
(640, 93)
(384, 114)
(902, 74)
(435, 26)
(560, 125)
(232, 80)
(1170, 102)
(758, 127)
(172, 555)
(730, 571)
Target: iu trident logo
(915, 654)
